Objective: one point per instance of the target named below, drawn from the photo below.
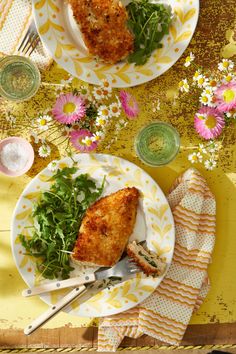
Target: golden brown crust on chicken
(148, 261)
(106, 228)
(104, 29)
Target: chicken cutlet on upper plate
(103, 24)
(106, 228)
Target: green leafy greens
(149, 23)
(59, 213)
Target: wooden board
(196, 335)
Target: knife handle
(53, 310)
(60, 284)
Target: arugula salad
(58, 215)
(149, 22)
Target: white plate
(61, 36)
(154, 223)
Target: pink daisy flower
(69, 108)
(209, 122)
(226, 97)
(82, 140)
(129, 104)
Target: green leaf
(58, 213)
(149, 23)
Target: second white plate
(61, 36)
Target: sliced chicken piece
(148, 261)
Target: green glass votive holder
(19, 78)
(157, 144)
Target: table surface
(215, 322)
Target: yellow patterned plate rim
(154, 220)
(60, 35)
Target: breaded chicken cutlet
(104, 28)
(106, 228)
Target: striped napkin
(166, 313)
(15, 17)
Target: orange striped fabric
(167, 312)
(15, 18)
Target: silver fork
(30, 40)
(123, 268)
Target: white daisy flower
(99, 135)
(228, 77)
(189, 59)
(206, 99)
(106, 85)
(53, 165)
(208, 90)
(100, 121)
(115, 109)
(43, 122)
(84, 91)
(104, 111)
(196, 75)
(214, 146)
(202, 81)
(87, 141)
(226, 65)
(184, 86)
(98, 92)
(210, 164)
(202, 149)
(34, 136)
(44, 150)
(212, 84)
(195, 157)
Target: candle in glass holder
(19, 78)
(157, 144)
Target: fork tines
(29, 42)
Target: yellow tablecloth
(214, 36)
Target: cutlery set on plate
(123, 269)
